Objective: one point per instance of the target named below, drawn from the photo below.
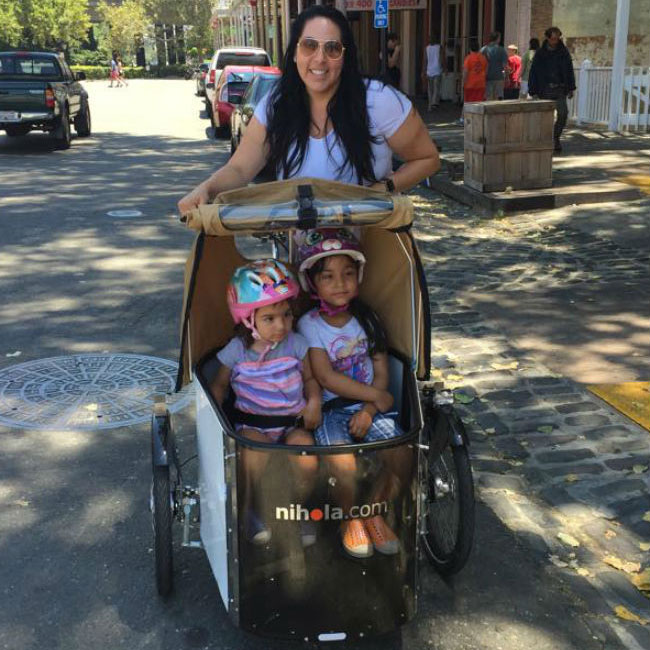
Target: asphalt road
(75, 540)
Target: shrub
(92, 71)
(132, 72)
(89, 57)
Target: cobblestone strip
(568, 474)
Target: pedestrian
(115, 71)
(341, 127)
(513, 75)
(432, 72)
(393, 51)
(497, 59)
(475, 68)
(526, 62)
(120, 71)
(551, 77)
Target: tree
(125, 25)
(194, 14)
(53, 23)
(197, 17)
(10, 29)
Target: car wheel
(63, 133)
(82, 122)
(17, 130)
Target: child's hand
(384, 402)
(359, 424)
(311, 414)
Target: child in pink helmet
(267, 366)
(347, 350)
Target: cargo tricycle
(282, 588)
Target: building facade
(588, 27)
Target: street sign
(381, 14)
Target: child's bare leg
(305, 467)
(344, 471)
(397, 464)
(253, 464)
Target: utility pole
(618, 65)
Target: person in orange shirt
(474, 74)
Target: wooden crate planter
(508, 144)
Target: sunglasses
(332, 49)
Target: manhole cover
(86, 391)
(124, 214)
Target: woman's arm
(393, 60)
(247, 161)
(337, 382)
(413, 144)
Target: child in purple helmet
(347, 350)
(267, 366)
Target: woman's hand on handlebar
(198, 196)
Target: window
(29, 65)
(242, 58)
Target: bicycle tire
(162, 529)
(448, 531)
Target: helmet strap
(328, 310)
(324, 307)
(250, 323)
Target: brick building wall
(541, 17)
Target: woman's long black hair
(289, 114)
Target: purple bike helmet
(315, 244)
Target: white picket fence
(590, 103)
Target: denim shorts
(334, 428)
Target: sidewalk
(595, 166)
(525, 311)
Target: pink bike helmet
(257, 284)
(313, 245)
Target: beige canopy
(393, 283)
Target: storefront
(452, 23)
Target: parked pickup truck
(39, 91)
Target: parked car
(38, 91)
(243, 112)
(231, 56)
(229, 92)
(201, 76)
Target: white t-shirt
(346, 347)
(387, 110)
(433, 61)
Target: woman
(324, 120)
(393, 50)
(526, 63)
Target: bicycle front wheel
(448, 526)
